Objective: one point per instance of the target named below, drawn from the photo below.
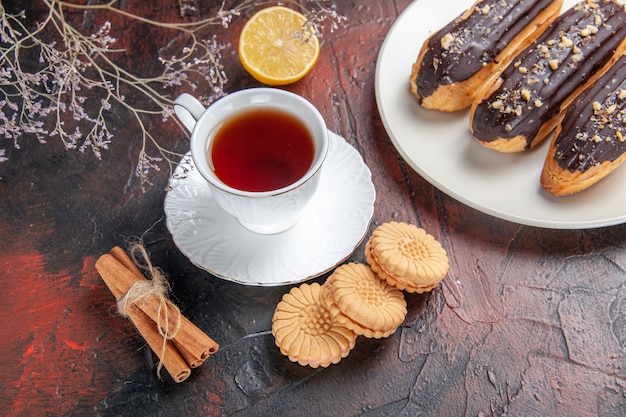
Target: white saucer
(328, 232)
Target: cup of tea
(260, 151)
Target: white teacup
(264, 212)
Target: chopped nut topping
(485, 9)
(446, 41)
(497, 105)
(585, 32)
(525, 94)
(596, 106)
(566, 42)
(622, 95)
(597, 20)
(538, 103)
(554, 64)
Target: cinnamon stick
(171, 359)
(121, 255)
(193, 344)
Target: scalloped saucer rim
(333, 226)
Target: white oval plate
(328, 232)
(440, 148)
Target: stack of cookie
(406, 257)
(363, 303)
(306, 328)
(317, 325)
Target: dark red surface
(527, 322)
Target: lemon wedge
(275, 48)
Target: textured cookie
(306, 330)
(397, 282)
(406, 256)
(368, 305)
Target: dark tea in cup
(261, 150)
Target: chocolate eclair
(456, 60)
(590, 142)
(525, 103)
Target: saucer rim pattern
(191, 212)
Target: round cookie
(368, 305)
(397, 282)
(406, 256)
(306, 330)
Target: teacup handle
(188, 110)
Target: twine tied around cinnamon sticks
(179, 344)
(156, 286)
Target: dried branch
(50, 99)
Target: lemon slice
(275, 48)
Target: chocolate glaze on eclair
(590, 142)
(520, 108)
(456, 60)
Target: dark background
(528, 321)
